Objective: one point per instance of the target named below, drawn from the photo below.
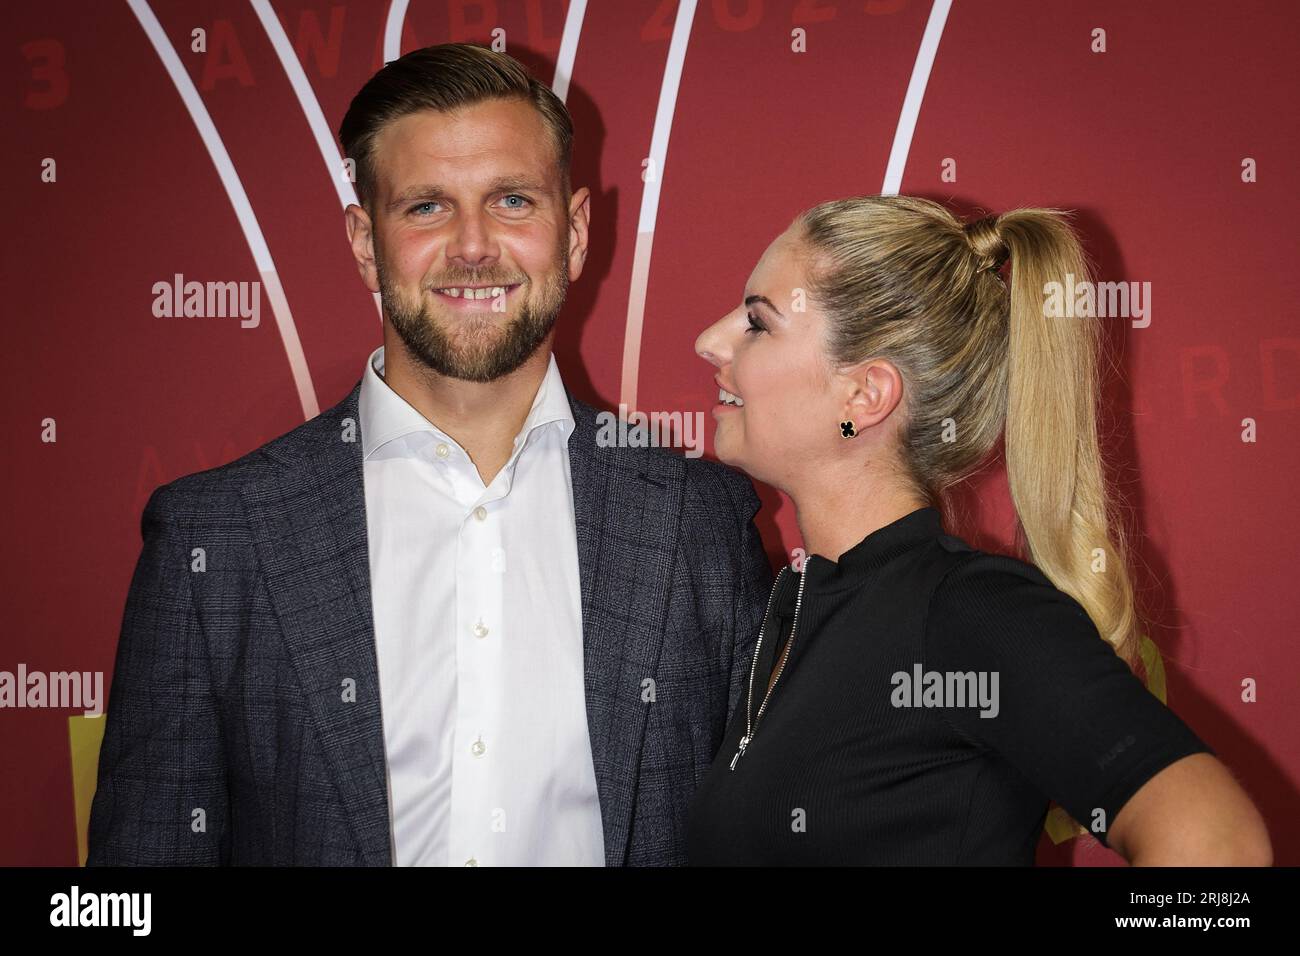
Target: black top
(848, 766)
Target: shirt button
(479, 748)
(480, 513)
(442, 451)
(480, 629)
(471, 862)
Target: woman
(913, 700)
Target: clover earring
(847, 429)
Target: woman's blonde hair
(901, 278)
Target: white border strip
(645, 234)
(664, 114)
(307, 100)
(329, 152)
(238, 199)
(393, 30)
(915, 94)
(568, 48)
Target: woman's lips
(724, 398)
(475, 304)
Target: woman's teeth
(727, 398)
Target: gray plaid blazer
(228, 740)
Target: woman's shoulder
(1005, 603)
(991, 576)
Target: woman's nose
(712, 345)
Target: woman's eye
(754, 324)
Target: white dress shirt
(478, 634)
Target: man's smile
(475, 297)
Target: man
(439, 623)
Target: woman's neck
(833, 519)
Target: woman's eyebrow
(751, 299)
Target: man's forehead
(459, 149)
(478, 127)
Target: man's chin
(472, 345)
(475, 367)
(474, 340)
(481, 359)
(450, 317)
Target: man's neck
(483, 417)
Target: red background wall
(1145, 140)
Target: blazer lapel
(308, 518)
(628, 509)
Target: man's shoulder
(218, 490)
(702, 478)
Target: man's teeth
(490, 292)
(727, 398)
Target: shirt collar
(387, 419)
(872, 552)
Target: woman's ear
(876, 389)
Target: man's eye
(523, 201)
(754, 324)
(419, 206)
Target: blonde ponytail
(902, 278)
(1054, 463)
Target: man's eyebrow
(504, 183)
(751, 299)
(423, 192)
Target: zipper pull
(744, 742)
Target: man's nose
(712, 345)
(472, 243)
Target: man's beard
(477, 351)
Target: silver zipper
(751, 721)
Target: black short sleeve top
(934, 700)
